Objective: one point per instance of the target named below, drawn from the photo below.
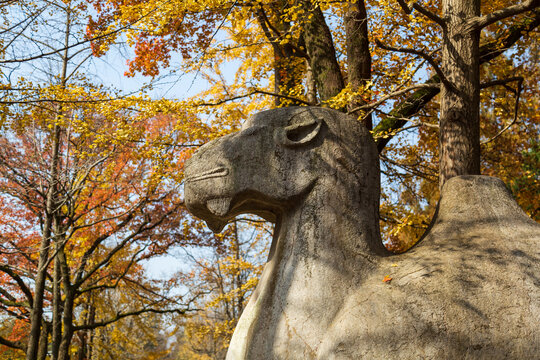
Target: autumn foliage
(91, 176)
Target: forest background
(91, 171)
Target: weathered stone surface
(469, 290)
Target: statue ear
(301, 133)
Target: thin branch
(268, 24)
(89, 101)
(220, 102)
(78, 43)
(519, 79)
(392, 95)
(421, 123)
(205, 50)
(26, 291)
(417, 100)
(423, 55)
(120, 277)
(429, 14)
(516, 105)
(126, 314)
(253, 92)
(480, 22)
(263, 92)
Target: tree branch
(12, 344)
(422, 10)
(417, 100)
(26, 291)
(394, 94)
(516, 104)
(263, 92)
(126, 314)
(488, 84)
(420, 53)
(78, 43)
(253, 92)
(480, 22)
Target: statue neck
(341, 220)
(329, 230)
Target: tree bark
(459, 135)
(43, 341)
(358, 55)
(322, 54)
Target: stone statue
(470, 289)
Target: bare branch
(263, 92)
(519, 79)
(9, 271)
(78, 43)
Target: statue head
(276, 160)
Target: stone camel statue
(469, 290)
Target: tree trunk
(69, 304)
(91, 321)
(459, 137)
(286, 59)
(311, 87)
(358, 55)
(36, 315)
(57, 299)
(322, 54)
(43, 341)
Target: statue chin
(216, 225)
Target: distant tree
(222, 276)
(88, 186)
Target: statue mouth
(220, 206)
(214, 173)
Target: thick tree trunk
(358, 55)
(459, 138)
(322, 54)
